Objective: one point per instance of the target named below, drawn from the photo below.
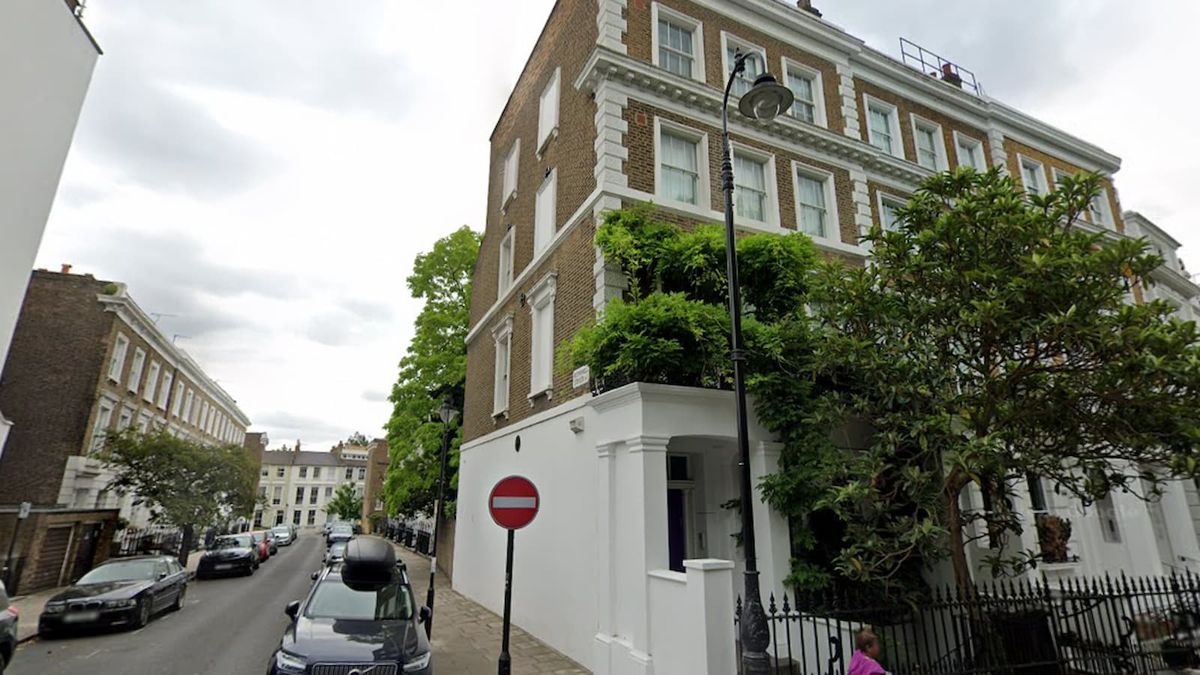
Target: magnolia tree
(992, 338)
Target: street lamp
(447, 413)
(766, 99)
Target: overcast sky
(262, 174)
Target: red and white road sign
(514, 502)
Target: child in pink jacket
(866, 650)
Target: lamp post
(446, 414)
(766, 99)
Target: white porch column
(772, 540)
(602, 646)
(710, 603)
(1180, 528)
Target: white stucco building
(46, 62)
(298, 484)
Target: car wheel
(145, 605)
(179, 599)
(3, 663)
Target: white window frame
(976, 145)
(940, 162)
(501, 386)
(504, 273)
(144, 420)
(893, 123)
(729, 39)
(164, 392)
(117, 363)
(104, 416)
(150, 387)
(819, 118)
(703, 187)
(545, 230)
(548, 117)
(832, 224)
(202, 423)
(1105, 217)
(125, 418)
(541, 374)
(509, 171)
(1021, 162)
(135, 369)
(771, 208)
(189, 400)
(881, 198)
(658, 11)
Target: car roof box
(369, 563)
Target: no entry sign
(513, 502)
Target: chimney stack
(950, 76)
(806, 5)
(66, 269)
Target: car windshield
(335, 600)
(232, 542)
(280, 530)
(342, 529)
(131, 570)
(258, 536)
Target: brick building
(374, 508)
(619, 104)
(86, 359)
(297, 484)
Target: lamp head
(766, 99)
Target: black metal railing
(916, 56)
(134, 541)
(1101, 626)
(412, 537)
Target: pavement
(466, 636)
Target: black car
(358, 616)
(229, 554)
(123, 591)
(8, 629)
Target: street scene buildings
(296, 484)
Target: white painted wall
(46, 63)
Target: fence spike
(786, 609)
(771, 606)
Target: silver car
(283, 534)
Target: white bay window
(541, 309)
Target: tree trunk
(958, 553)
(185, 544)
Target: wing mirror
(292, 608)
(162, 575)
(315, 575)
(424, 615)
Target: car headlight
(419, 662)
(289, 663)
(53, 607)
(113, 604)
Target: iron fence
(134, 541)
(1077, 626)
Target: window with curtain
(881, 128)
(680, 168)
(813, 210)
(1032, 177)
(675, 48)
(970, 153)
(749, 187)
(803, 88)
(889, 213)
(754, 68)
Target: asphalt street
(227, 627)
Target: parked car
(8, 629)
(358, 616)
(336, 553)
(284, 535)
(121, 591)
(272, 544)
(339, 532)
(260, 541)
(229, 554)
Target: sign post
(513, 503)
(22, 514)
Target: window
(177, 404)
(931, 146)
(279, 518)
(103, 421)
(883, 128)
(279, 472)
(296, 517)
(203, 423)
(151, 386)
(125, 420)
(750, 187)
(678, 43)
(503, 337)
(266, 472)
(258, 518)
(117, 363)
(316, 472)
(262, 491)
(299, 495)
(509, 181)
(732, 46)
(1033, 176)
(144, 422)
(304, 472)
(277, 495)
(187, 404)
(805, 84)
(682, 171)
(889, 216)
(165, 392)
(1037, 493)
(815, 203)
(541, 307)
(135, 370)
(1100, 210)
(1107, 513)
(312, 495)
(545, 215)
(362, 473)
(506, 264)
(969, 151)
(328, 493)
(548, 110)
(349, 473)
(312, 517)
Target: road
(227, 627)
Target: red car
(263, 546)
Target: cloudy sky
(262, 174)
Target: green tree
(435, 362)
(346, 504)
(181, 482)
(357, 438)
(991, 339)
